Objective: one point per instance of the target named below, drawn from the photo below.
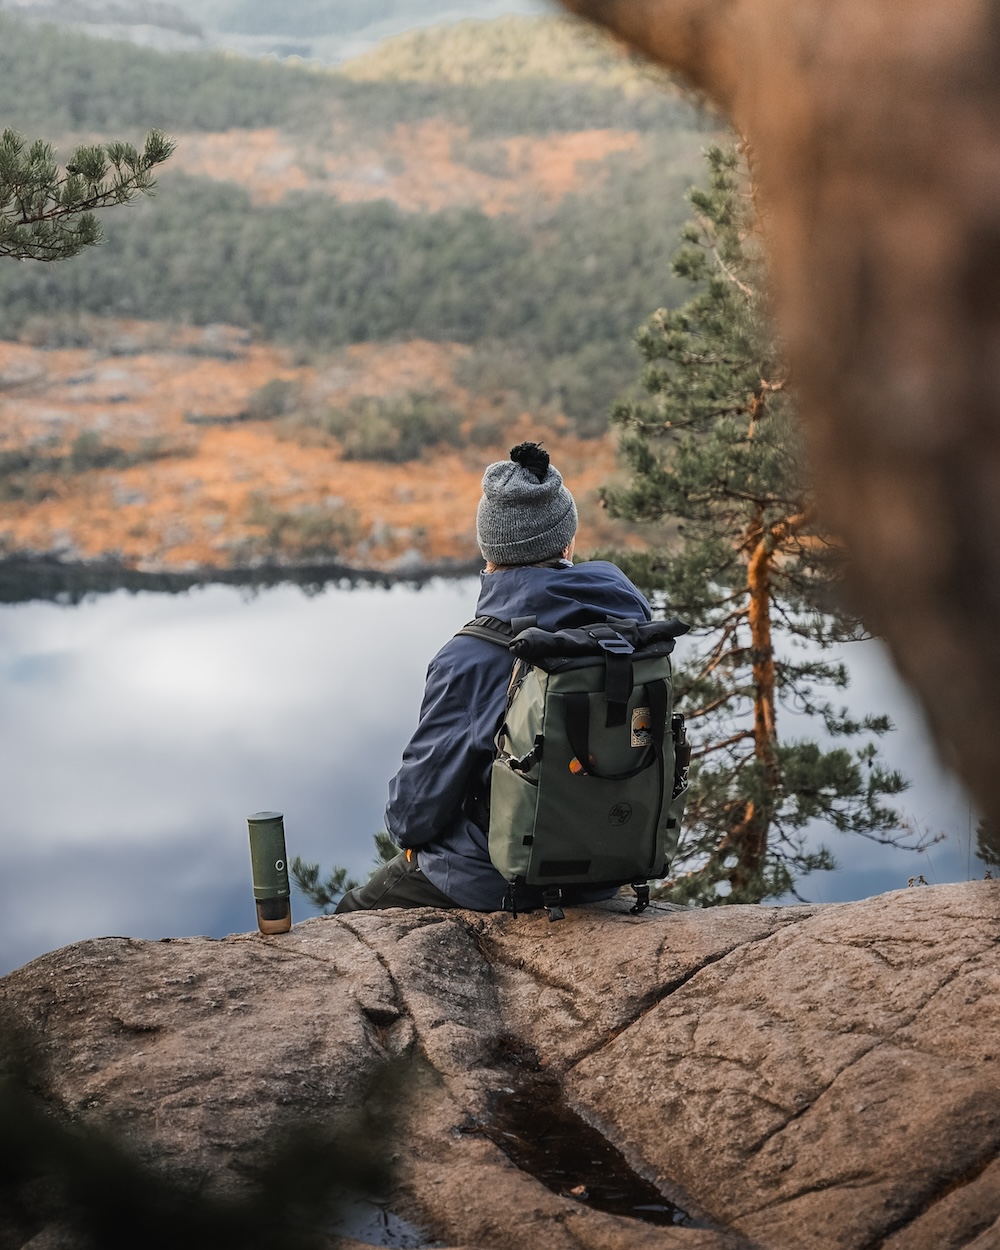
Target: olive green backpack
(588, 785)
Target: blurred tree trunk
(875, 133)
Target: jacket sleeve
(442, 759)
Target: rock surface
(797, 1077)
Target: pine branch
(47, 214)
(731, 277)
(702, 751)
(792, 525)
(322, 894)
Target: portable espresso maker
(270, 872)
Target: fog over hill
(327, 30)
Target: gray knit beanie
(526, 514)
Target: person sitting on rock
(526, 527)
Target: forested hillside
(519, 208)
(51, 78)
(557, 49)
(327, 30)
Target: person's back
(432, 812)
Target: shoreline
(31, 579)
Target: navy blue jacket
(450, 754)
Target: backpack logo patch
(642, 725)
(620, 814)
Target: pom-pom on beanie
(526, 514)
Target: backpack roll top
(583, 789)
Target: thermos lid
(261, 817)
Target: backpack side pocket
(513, 803)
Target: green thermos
(270, 872)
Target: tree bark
(875, 129)
(753, 837)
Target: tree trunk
(876, 138)
(752, 847)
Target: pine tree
(327, 894)
(988, 845)
(47, 213)
(714, 447)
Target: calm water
(138, 730)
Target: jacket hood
(562, 597)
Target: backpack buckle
(527, 762)
(552, 902)
(641, 897)
(616, 644)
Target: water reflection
(137, 731)
(935, 802)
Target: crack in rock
(965, 1213)
(688, 1040)
(780, 1030)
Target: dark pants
(399, 883)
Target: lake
(137, 731)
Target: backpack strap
(500, 633)
(488, 629)
(614, 640)
(492, 629)
(578, 731)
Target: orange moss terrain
(152, 449)
(421, 168)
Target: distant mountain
(507, 49)
(335, 32)
(327, 30)
(152, 23)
